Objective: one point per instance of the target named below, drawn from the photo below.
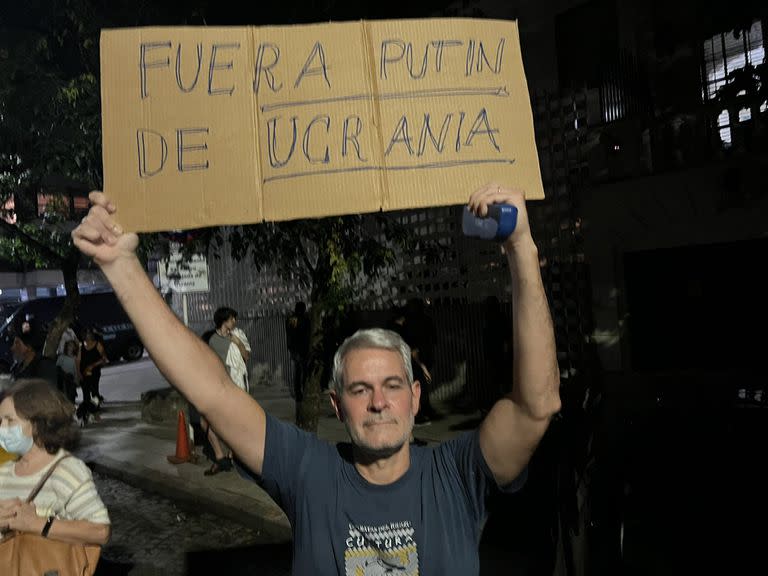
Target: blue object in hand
(498, 224)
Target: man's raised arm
(183, 358)
(517, 422)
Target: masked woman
(36, 423)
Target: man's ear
(415, 400)
(336, 403)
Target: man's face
(377, 405)
(230, 323)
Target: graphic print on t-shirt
(377, 550)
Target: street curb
(236, 508)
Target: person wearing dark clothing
(422, 331)
(418, 330)
(497, 352)
(399, 324)
(90, 360)
(197, 422)
(28, 363)
(220, 340)
(297, 335)
(375, 504)
(397, 321)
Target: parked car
(102, 312)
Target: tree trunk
(71, 303)
(308, 410)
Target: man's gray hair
(370, 338)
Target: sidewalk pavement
(121, 445)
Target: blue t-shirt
(428, 522)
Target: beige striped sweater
(69, 494)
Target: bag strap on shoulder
(44, 479)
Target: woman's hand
(22, 517)
(18, 516)
(7, 512)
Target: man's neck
(382, 471)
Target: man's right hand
(100, 237)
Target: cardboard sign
(212, 126)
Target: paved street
(126, 381)
(153, 535)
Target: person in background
(90, 360)
(67, 336)
(497, 354)
(28, 362)
(68, 375)
(228, 348)
(297, 336)
(36, 425)
(238, 356)
(417, 330)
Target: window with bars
(723, 54)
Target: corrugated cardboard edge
(375, 105)
(529, 112)
(258, 180)
(102, 84)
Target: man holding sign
(376, 505)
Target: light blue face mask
(13, 440)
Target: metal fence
(457, 283)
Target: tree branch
(46, 251)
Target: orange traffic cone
(182, 442)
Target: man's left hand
(497, 194)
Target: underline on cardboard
(499, 91)
(429, 166)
